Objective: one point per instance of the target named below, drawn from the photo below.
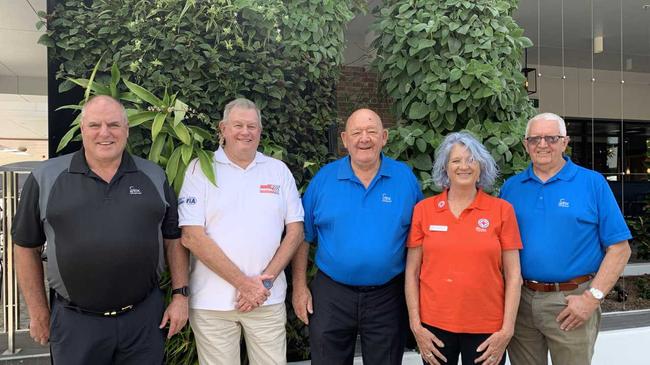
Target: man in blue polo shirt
(358, 211)
(575, 248)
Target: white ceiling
(21, 55)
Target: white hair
(548, 116)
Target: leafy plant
(155, 124)
(640, 225)
(453, 65)
(283, 55)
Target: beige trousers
(537, 332)
(218, 334)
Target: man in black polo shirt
(108, 218)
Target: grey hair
(244, 104)
(489, 168)
(94, 99)
(548, 116)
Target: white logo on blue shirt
(385, 198)
(134, 190)
(563, 203)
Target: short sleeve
(170, 229)
(191, 199)
(509, 236)
(27, 229)
(295, 212)
(416, 234)
(308, 203)
(612, 228)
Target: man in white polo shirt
(234, 231)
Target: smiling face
(241, 133)
(544, 155)
(364, 137)
(462, 169)
(103, 131)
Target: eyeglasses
(535, 140)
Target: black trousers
(378, 314)
(131, 338)
(463, 344)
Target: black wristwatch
(183, 290)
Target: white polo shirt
(245, 214)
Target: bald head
(364, 137)
(104, 101)
(364, 115)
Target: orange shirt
(461, 279)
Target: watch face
(597, 293)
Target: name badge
(438, 228)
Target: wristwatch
(183, 290)
(599, 295)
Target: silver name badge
(438, 228)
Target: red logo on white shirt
(270, 189)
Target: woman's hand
(428, 344)
(494, 347)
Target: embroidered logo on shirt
(190, 200)
(441, 204)
(385, 198)
(482, 225)
(134, 190)
(270, 189)
(563, 203)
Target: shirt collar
(221, 157)
(480, 201)
(79, 165)
(345, 171)
(566, 173)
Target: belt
(368, 288)
(553, 287)
(107, 313)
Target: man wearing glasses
(575, 247)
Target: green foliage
(640, 225)
(283, 55)
(156, 127)
(453, 65)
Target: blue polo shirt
(361, 233)
(566, 223)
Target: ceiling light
(598, 44)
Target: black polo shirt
(104, 240)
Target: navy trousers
(377, 314)
(78, 338)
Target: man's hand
(578, 310)
(176, 314)
(302, 304)
(39, 327)
(251, 293)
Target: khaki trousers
(218, 335)
(537, 332)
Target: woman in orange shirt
(463, 278)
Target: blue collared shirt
(566, 223)
(361, 233)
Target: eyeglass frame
(550, 140)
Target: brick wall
(359, 88)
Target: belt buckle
(116, 312)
